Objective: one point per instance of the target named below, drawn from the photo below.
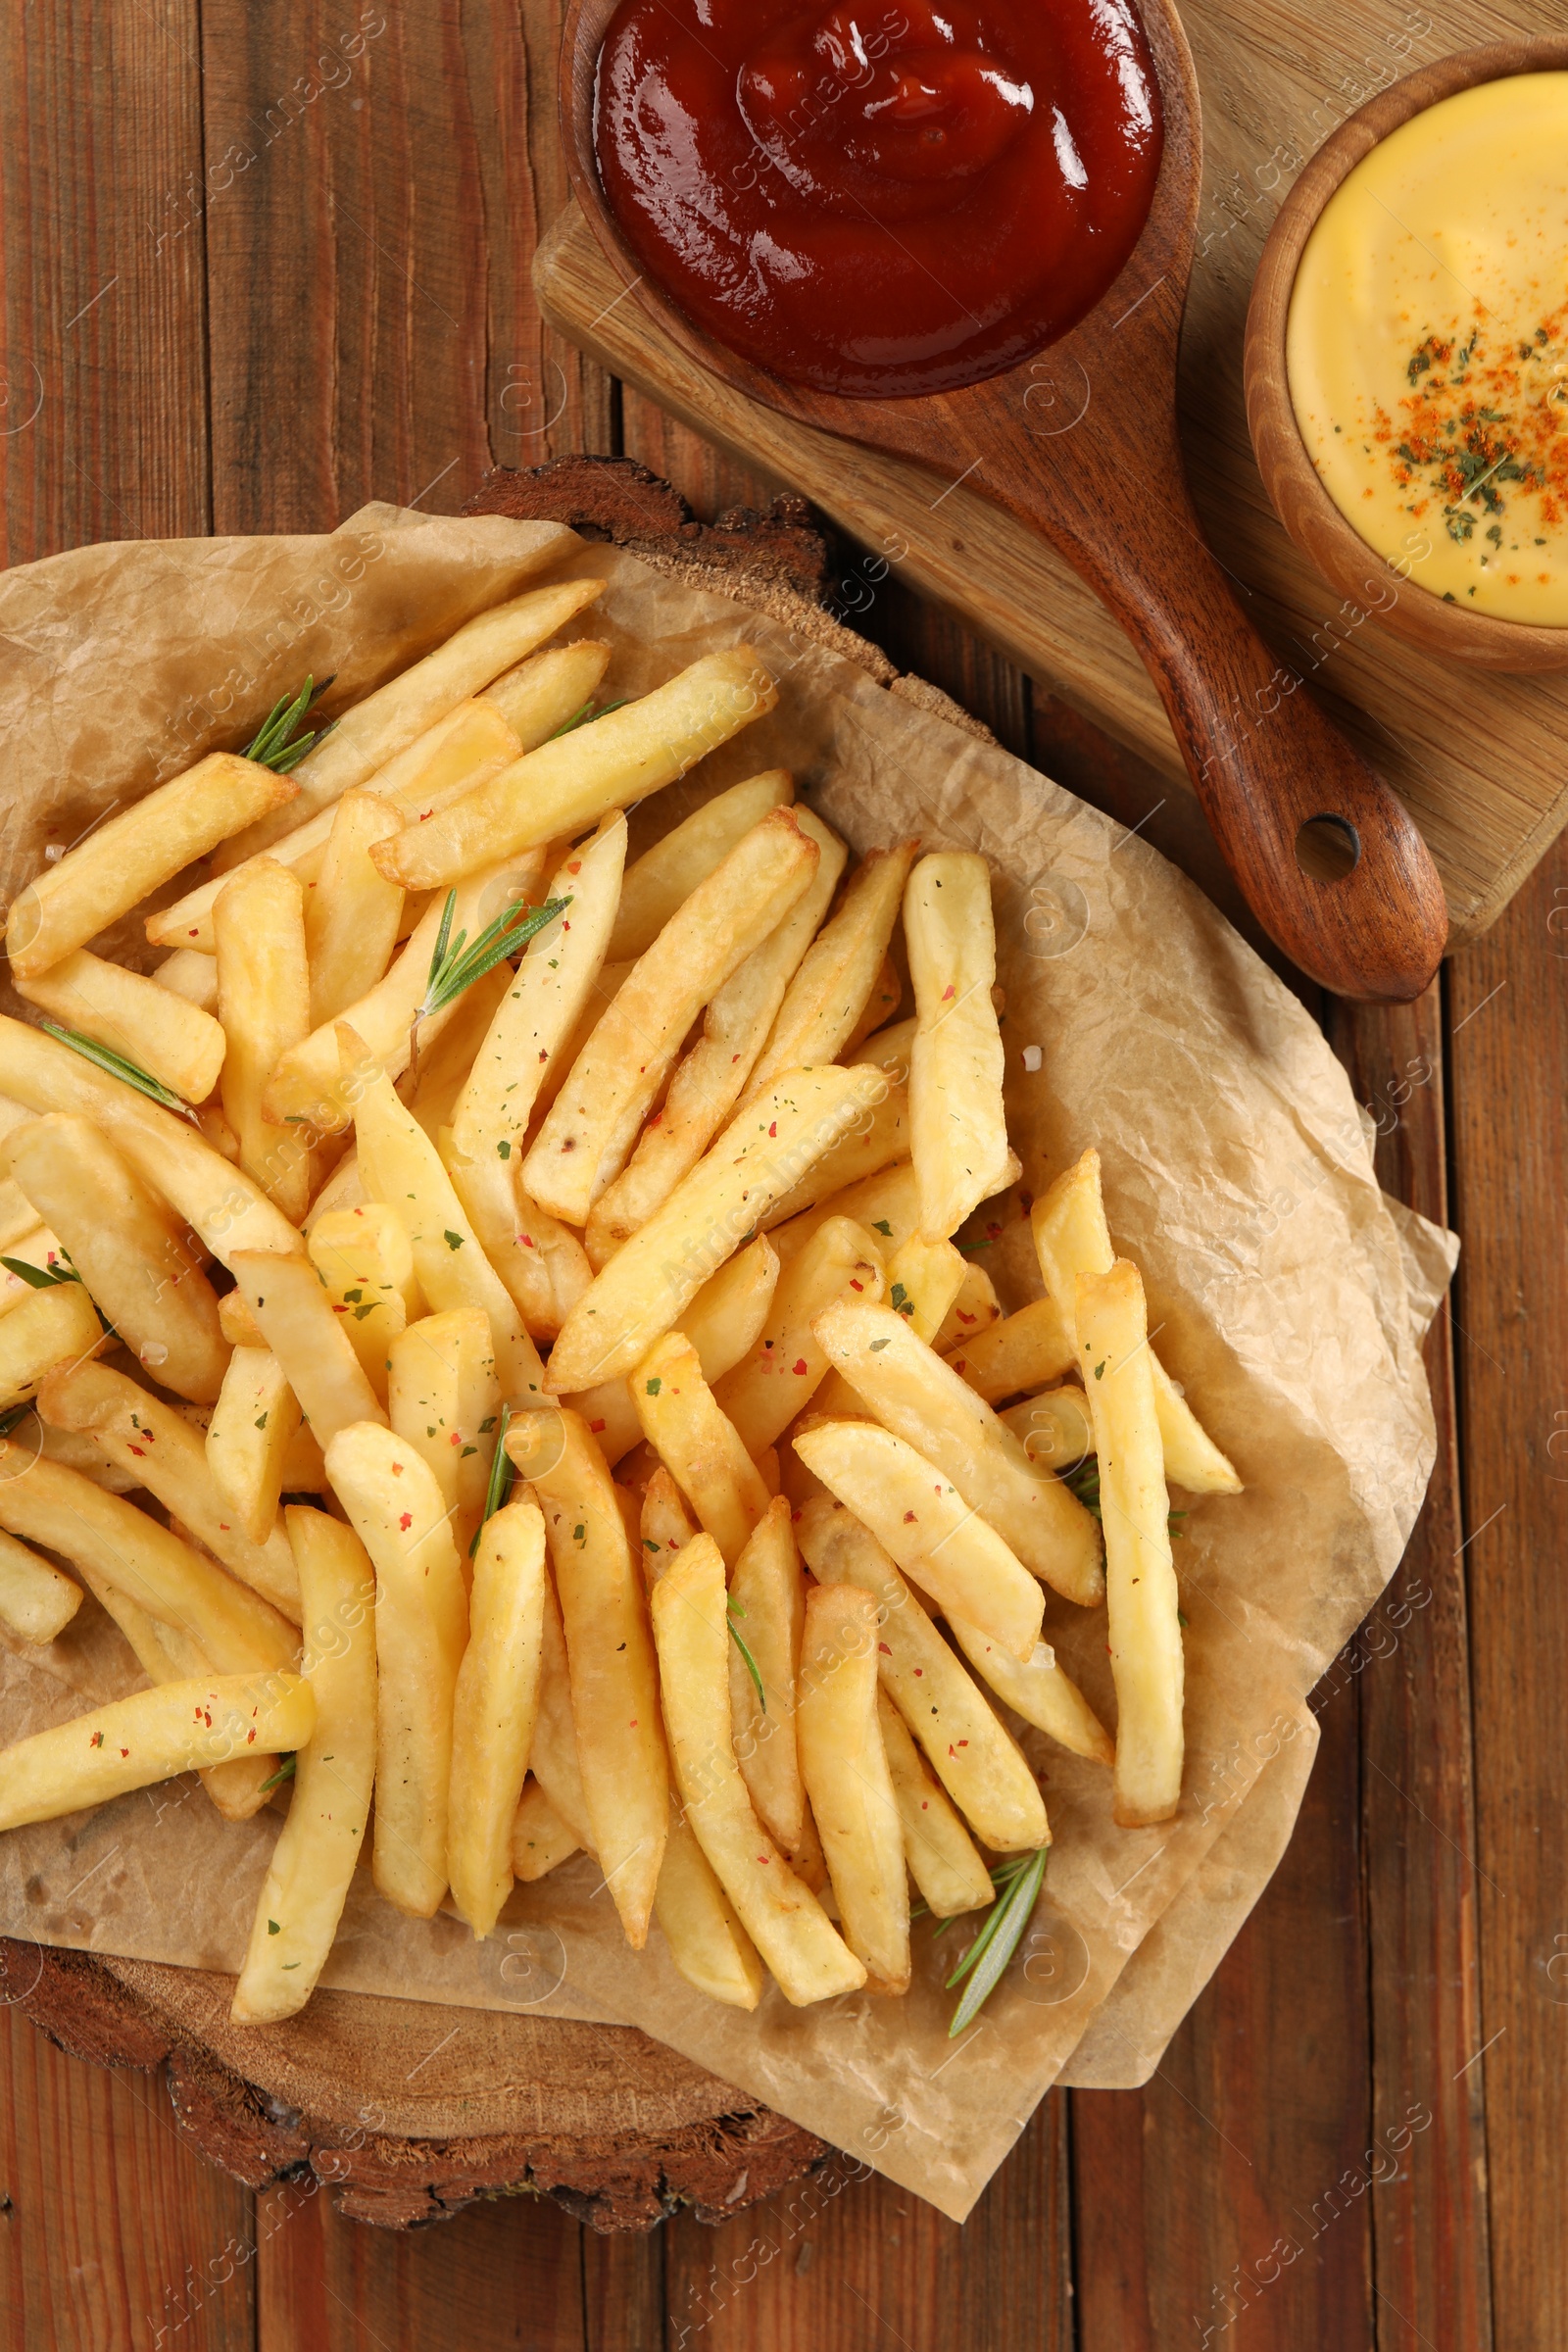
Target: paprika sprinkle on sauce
(883, 197)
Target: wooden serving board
(1479, 758)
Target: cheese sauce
(1427, 348)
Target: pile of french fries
(492, 1324)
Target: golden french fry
(878, 1140)
(885, 1203)
(707, 1085)
(923, 1401)
(540, 1839)
(590, 1129)
(445, 1402)
(830, 993)
(887, 989)
(422, 1628)
(701, 1450)
(36, 1602)
(53, 1328)
(1053, 1428)
(247, 1439)
(848, 1781)
(537, 696)
(1038, 1691)
(665, 876)
(924, 1278)
(705, 1938)
(973, 1756)
(365, 1261)
(312, 1864)
(644, 1290)
(400, 1166)
(724, 1323)
(961, 1153)
(614, 1682)
(778, 1379)
(1072, 1239)
(192, 974)
(493, 1711)
(1021, 1352)
(602, 994)
(148, 1438)
(539, 1013)
(944, 1861)
(768, 1606)
(556, 1761)
(541, 1261)
(664, 1526)
(152, 1736)
(1144, 1627)
(237, 1324)
(343, 1189)
(264, 1002)
(443, 1071)
(122, 861)
(566, 786)
(932, 1533)
(136, 1262)
(294, 1315)
(975, 1308)
(888, 1050)
(806, 1953)
(227, 1211)
(173, 1040)
(351, 913)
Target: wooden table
(265, 259)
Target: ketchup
(882, 197)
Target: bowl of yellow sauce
(1407, 357)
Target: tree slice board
(1476, 756)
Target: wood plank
(112, 2232)
(1509, 1039)
(623, 2291)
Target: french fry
(924, 1278)
(493, 1711)
(708, 1083)
(401, 1166)
(54, 1327)
(877, 1140)
(1053, 1428)
(226, 1209)
(941, 1856)
(614, 1682)
(125, 860)
(1024, 1350)
(150, 1737)
(172, 1039)
(263, 1004)
(665, 876)
(191, 974)
(806, 1953)
(701, 1450)
(364, 1260)
(705, 1938)
(292, 1311)
(421, 1628)
(385, 722)
(237, 1324)
(36, 1602)
(972, 1756)
(148, 1438)
(566, 786)
(247, 1439)
(829, 992)
(590, 1127)
(537, 696)
(975, 1308)
(888, 1050)
(912, 1393)
(1038, 1691)
(443, 1071)
(885, 1203)
(1071, 1240)
(343, 1189)
(445, 1402)
(768, 1606)
(351, 913)
(961, 1153)
(1145, 1628)
(879, 1007)
(778, 1379)
(847, 1778)
(541, 1261)
(556, 1761)
(539, 1013)
(313, 1863)
(932, 1533)
(136, 1262)
(644, 1290)
(540, 1839)
(664, 1526)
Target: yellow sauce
(1427, 349)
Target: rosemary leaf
(40, 1278)
(119, 1067)
(751, 1662)
(585, 716)
(270, 747)
(284, 1772)
(495, 1493)
(988, 1956)
(455, 966)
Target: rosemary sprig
(117, 1066)
(270, 747)
(585, 716)
(496, 1492)
(455, 967)
(40, 1278)
(985, 1963)
(732, 1610)
(284, 1772)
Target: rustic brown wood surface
(263, 259)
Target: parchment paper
(1285, 1294)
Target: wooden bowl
(1291, 478)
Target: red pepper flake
(397, 1469)
(125, 1751)
(773, 1129)
(883, 1647)
(250, 1739)
(97, 1738)
(407, 1521)
(855, 1285)
(800, 1367)
(595, 1427)
(907, 1516)
(948, 991)
(963, 1318)
(574, 865)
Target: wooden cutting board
(1479, 758)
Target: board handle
(1327, 856)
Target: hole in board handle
(1328, 848)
